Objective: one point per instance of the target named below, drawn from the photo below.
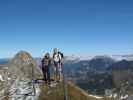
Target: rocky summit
(24, 65)
(16, 78)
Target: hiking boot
(58, 81)
(49, 83)
(46, 82)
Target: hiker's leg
(45, 75)
(60, 72)
(57, 72)
(48, 74)
(61, 77)
(54, 73)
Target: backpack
(62, 56)
(58, 57)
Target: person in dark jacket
(46, 62)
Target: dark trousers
(46, 73)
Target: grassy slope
(51, 93)
(57, 93)
(76, 93)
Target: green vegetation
(57, 93)
(75, 93)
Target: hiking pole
(65, 85)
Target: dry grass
(57, 93)
(52, 93)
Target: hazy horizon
(86, 56)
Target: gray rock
(17, 76)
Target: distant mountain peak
(102, 57)
(128, 57)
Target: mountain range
(93, 74)
(98, 63)
(17, 81)
(118, 57)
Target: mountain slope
(101, 63)
(74, 93)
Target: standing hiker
(57, 59)
(61, 65)
(46, 62)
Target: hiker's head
(47, 55)
(55, 50)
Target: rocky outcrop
(24, 65)
(17, 77)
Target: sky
(81, 27)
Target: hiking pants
(46, 73)
(60, 72)
(56, 71)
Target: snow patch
(97, 97)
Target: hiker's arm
(42, 62)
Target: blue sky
(84, 27)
